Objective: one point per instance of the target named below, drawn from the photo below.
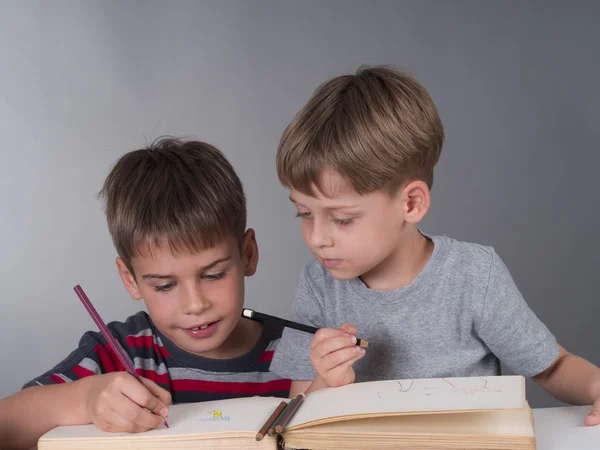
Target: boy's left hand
(594, 416)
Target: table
(562, 428)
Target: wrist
(75, 407)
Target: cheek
(306, 230)
(229, 298)
(162, 310)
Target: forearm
(28, 414)
(317, 383)
(572, 380)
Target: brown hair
(185, 195)
(378, 128)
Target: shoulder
(139, 324)
(465, 260)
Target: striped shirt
(189, 378)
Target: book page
(412, 396)
(227, 417)
(491, 423)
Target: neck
(403, 265)
(242, 339)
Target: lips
(331, 263)
(202, 330)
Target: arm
(27, 415)
(307, 386)
(113, 402)
(573, 380)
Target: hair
(378, 128)
(184, 195)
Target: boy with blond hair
(177, 215)
(358, 160)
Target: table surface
(562, 428)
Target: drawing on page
(441, 386)
(405, 386)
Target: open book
(448, 413)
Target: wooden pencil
(287, 415)
(260, 317)
(110, 340)
(263, 431)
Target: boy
(177, 215)
(358, 160)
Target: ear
(128, 280)
(416, 199)
(250, 253)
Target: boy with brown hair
(177, 215)
(358, 160)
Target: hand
(118, 402)
(594, 416)
(332, 353)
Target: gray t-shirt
(458, 317)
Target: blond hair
(378, 128)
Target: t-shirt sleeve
(510, 329)
(292, 356)
(92, 357)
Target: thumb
(594, 417)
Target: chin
(342, 274)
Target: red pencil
(107, 334)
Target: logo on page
(214, 415)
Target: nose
(193, 302)
(320, 235)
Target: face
(194, 299)
(353, 235)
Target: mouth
(331, 263)
(202, 330)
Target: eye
(342, 222)
(164, 287)
(213, 277)
(302, 214)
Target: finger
(117, 423)
(594, 417)
(343, 374)
(344, 356)
(140, 394)
(332, 344)
(137, 418)
(349, 328)
(326, 333)
(162, 394)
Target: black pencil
(289, 412)
(260, 317)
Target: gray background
(81, 83)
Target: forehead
(163, 252)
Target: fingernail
(353, 339)
(359, 349)
(164, 412)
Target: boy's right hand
(332, 353)
(118, 402)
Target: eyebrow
(330, 208)
(163, 277)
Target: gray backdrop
(83, 82)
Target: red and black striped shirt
(189, 378)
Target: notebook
(439, 413)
